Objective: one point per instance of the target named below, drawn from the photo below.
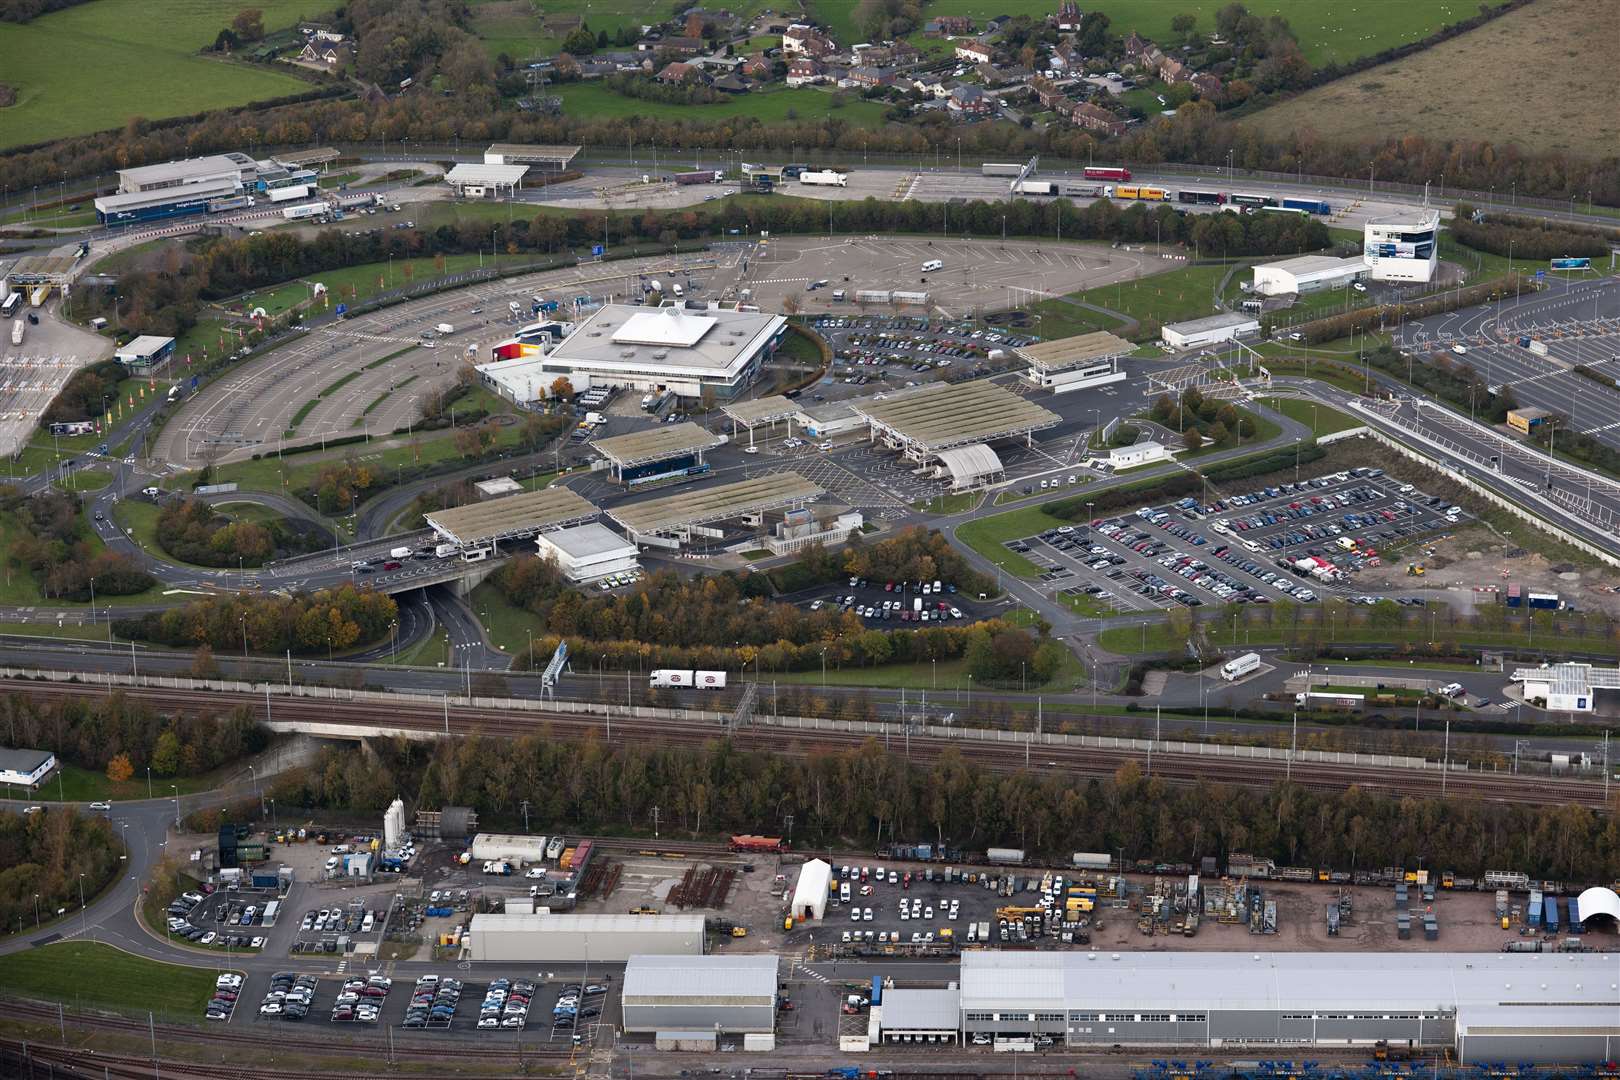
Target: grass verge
(1321, 419)
(89, 973)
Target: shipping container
(990, 169)
(877, 990)
(1515, 595)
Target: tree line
(1457, 382)
(21, 11)
(865, 797)
(327, 620)
(41, 859)
(727, 622)
(86, 395)
(1369, 320)
(1531, 240)
(114, 734)
(56, 546)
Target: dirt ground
(1457, 90)
(1474, 566)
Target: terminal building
(657, 455)
(477, 529)
(1569, 687)
(145, 353)
(620, 346)
(717, 513)
(940, 417)
(1541, 1007)
(587, 553)
(715, 995)
(1306, 274)
(197, 185)
(1073, 363)
(1402, 246)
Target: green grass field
(1321, 419)
(147, 47)
(51, 217)
(948, 504)
(986, 535)
(83, 785)
(367, 280)
(1176, 294)
(1333, 31)
(87, 973)
(597, 102)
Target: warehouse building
(665, 349)
(1569, 687)
(25, 768)
(1210, 330)
(145, 353)
(1306, 274)
(239, 169)
(587, 553)
(916, 1014)
(1074, 363)
(1402, 246)
(810, 894)
(150, 205)
(573, 939)
(714, 994)
(1545, 1007)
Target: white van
(679, 292)
(933, 264)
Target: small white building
(25, 767)
(1142, 453)
(485, 181)
(497, 487)
(1306, 274)
(810, 894)
(1569, 687)
(587, 553)
(1210, 330)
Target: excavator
(1415, 569)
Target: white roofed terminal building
(587, 553)
(1402, 246)
(720, 350)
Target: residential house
(1173, 71)
(731, 84)
(1208, 86)
(948, 26)
(867, 76)
(804, 70)
(327, 56)
(969, 100)
(1068, 16)
(679, 72)
(932, 86)
(1047, 92)
(686, 46)
(756, 67)
(887, 54)
(1136, 45)
(973, 52)
(802, 40)
(1092, 118)
(991, 75)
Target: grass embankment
(1152, 301)
(958, 503)
(84, 973)
(946, 675)
(51, 60)
(354, 284)
(1321, 419)
(84, 785)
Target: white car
(750, 449)
(105, 806)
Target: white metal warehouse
(1306, 274)
(810, 895)
(1210, 330)
(1542, 1007)
(564, 939)
(723, 994)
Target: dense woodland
(1527, 238)
(20, 11)
(194, 532)
(42, 855)
(867, 796)
(88, 393)
(54, 544)
(95, 732)
(326, 621)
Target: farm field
(1339, 30)
(771, 107)
(1423, 94)
(48, 59)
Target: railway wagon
(767, 844)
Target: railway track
(32, 1059)
(920, 748)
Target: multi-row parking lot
(1285, 541)
(899, 604)
(908, 349)
(223, 919)
(321, 929)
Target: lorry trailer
(1234, 670)
(999, 169)
(289, 193)
(825, 177)
(702, 176)
(1107, 172)
(16, 331)
(666, 678)
(1310, 206)
(306, 210)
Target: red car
(391, 564)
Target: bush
(195, 532)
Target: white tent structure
(970, 466)
(1598, 901)
(810, 895)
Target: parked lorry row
(676, 679)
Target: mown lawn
(366, 280)
(1321, 419)
(146, 54)
(1186, 293)
(986, 535)
(88, 973)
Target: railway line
(921, 748)
(21, 1058)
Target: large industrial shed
(710, 993)
(599, 939)
(1547, 1007)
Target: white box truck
(444, 551)
(400, 553)
(16, 331)
(445, 328)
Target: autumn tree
(119, 769)
(248, 24)
(1191, 439)
(561, 388)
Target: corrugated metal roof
(688, 980)
(921, 1010)
(1072, 351)
(485, 175)
(760, 410)
(1268, 981)
(955, 414)
(695, 507)
(511, 515)
(657, 443)
(588, 924)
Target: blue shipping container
(877, 990)
(1575, 926)
(1549, 914)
